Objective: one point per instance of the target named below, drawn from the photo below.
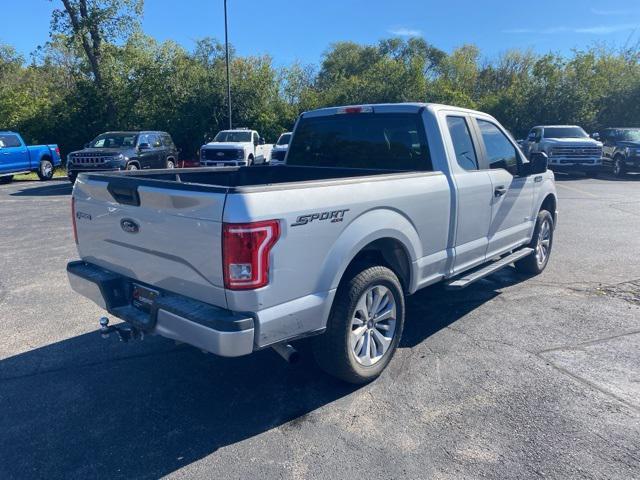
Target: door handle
(499, 191)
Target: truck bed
(240, 179)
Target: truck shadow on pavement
(52, 188)
(91, 408)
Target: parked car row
(570, 148)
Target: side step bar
(475, 275)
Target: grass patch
(29, 177)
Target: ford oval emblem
(129, 225)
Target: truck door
(14, 156)
(159, 152)
(513, 195)
(474, 194)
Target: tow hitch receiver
(124, 330)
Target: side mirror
(538, 163)
(144, 146)
(261, 141)
(595, 136)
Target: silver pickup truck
(375, 203)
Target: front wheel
(132, 166)
(6, 179)
(171, 164)
(541, 242)
(45, 171)
(618, 167)
(365, 326)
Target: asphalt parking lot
(511, 378)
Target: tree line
(100, 72)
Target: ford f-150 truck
(568, 147)
(375, 203)
(16, 158)
(231, 148)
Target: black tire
(132, 166)
(171, 163)
(334, 351)
(6, 179)
(532, 264)
(618, 167)
(250, 161)
(72, 177)
(45, 170)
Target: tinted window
(146, 138)
(500, 151)
(564, 132)
(9, 141)
(462, 143)
(630, 135)
(365, 140)
(166, 140)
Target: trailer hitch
(124, 330)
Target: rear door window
(388, 141)
(462, 143)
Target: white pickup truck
(375, 203)
(235, 148)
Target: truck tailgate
(166, 236)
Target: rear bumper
(204, 326)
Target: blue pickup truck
(16, 158)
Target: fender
(366, 228)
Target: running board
(476, 275)
(15, 173)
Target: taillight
(58, 151)
(355, 110)
(245, 253)
(73, 219)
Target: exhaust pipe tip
(287, 352)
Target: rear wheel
(171, 164)
(364, 327)
(132, 166)
(6, 179)
(45, 171)
(541, 243)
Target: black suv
(621, 151)
(123, 151)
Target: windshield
(630, 135)
(564, 132)
(114, 140)
(226, 136)
(284, 139)
(378, 141)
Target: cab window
(10, 141)
(500, 151)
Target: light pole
(226, 46)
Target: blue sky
(303, 29)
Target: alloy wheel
(373, 325)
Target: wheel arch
(381, 236)
(550, 203)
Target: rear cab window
(385, 141)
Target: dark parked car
(621, 150)
(123, 151)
